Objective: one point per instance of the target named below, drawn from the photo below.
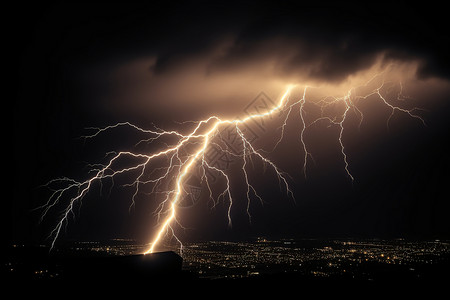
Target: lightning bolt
(189, 151)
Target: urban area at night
(344, 259)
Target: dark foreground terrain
(254, 268)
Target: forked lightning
(179, 164)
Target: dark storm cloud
(325, 42)
(116, 57)
(308, 54)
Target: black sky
(402, 175)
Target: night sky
(81, 66)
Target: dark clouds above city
(93, 65)
(122, 57)
(333, 40)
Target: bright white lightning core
(188, 152)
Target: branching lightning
(188, 153)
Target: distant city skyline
(362, 260)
